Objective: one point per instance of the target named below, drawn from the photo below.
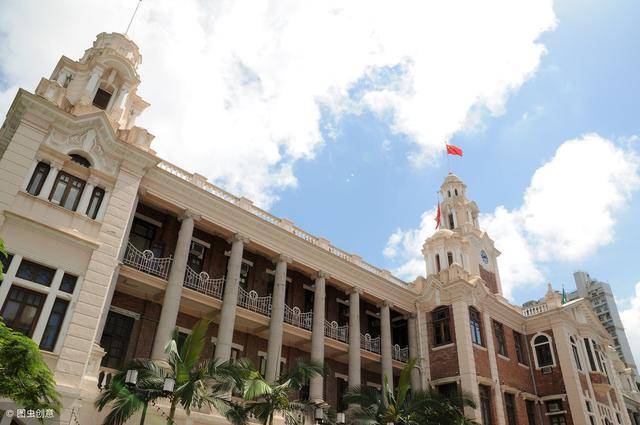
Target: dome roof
(442, 234)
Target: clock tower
(460, 239)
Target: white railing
(535, 309)
(334, 331)
(370, 344)
(400, 354)
(251, 301)
(247, 205)
(295, 317)
(201, 282)
(145, 261)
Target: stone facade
(115, 246)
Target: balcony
(400, 354)
(251, 301)
(202, 283)
(294, 316)
(370, 344)
(145, 261)
(334, 331)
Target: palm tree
(197, 382)
(405, 407)
(262, 400)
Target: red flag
(454, 150)
(438, 217)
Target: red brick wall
(443, 361)
(552, 383)
(510, 371)
(482, 362)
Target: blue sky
(333, 114)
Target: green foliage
(405, 407)
(198, 383)
(24, 376)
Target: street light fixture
(319, 415)
(341, 418)
(146, 394)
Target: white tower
(104, 79)
(460, 239)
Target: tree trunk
(172, 412)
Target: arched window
(576, 356)
(79, 159)
(451, 224)
(437, 263)
(441, 326)
(542, 348)
(449, 193)
(455, 192)
(476, 326)
(449, 258)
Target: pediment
(87, 142)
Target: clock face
(484, 256)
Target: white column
(493, 367)
(466, 358)
(423, 344)
(29, 175)
(274, 346)
(93, 80)
(45, 191)
(85, 198)
(316, 388)
(230, 300)
(173, 293)
(354, 338)
(414, 352)
(385, 343)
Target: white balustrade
(535, 309)
(201, 282)
(295, 317)
(146, 261)
(334, 331)
(251, 301)
(400, 354)
(270, 218)
(370, 344)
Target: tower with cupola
(460, 239)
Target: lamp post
(341, 418)
(146, 394)
(319, 415)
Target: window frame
(40, 169)
(576, 353)
(510, 408)
(441, 326)
(126, 336)
(65, 194)
(501, 341)
(519, 346)
(32, 327)
(58, 328)
(108, 98)
(486, 404)
(534, 346)
(475, 324)
(97, 198)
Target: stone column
(316, 387)
(423, 345)
(173, 293)
(493, 367)
(85, 198)
(45, 191)
(274, 346)
(414, 352)
(466, 358)
(385, 343)
(354, 338)
(230, 300)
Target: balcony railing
(334, 331)
(146, 261)
(370, 344)
(201, 282)
(535, 309)
(251, 301)
(295, 317)
(400, 354)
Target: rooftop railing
(535, 309)
(146, 261)
(247, 205)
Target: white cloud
(404, 247)
(568, 212)
(631, 321)
(237, 87)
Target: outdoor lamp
(341, 418)
(169, 383)
(319, 415)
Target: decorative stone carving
(87, 141)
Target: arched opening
(449, 258)
(79, 159)
(542, 348)
(437, 263)
(451, 223)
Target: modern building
(604, 305)
(113, 248)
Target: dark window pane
(54, 324)
(531, 412)
(59, 188)
(66, 191)
(79, 159)
(68, 283)
(519, 346)
(96, 201)
(500, 340)
(441, 326)
(73, 195)
(101, 99)
(39, 175)
(510, 407)
(6, 261)
(485, 405)
(21, 309)
(34, 272)
(115, 339)
(474, 321)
